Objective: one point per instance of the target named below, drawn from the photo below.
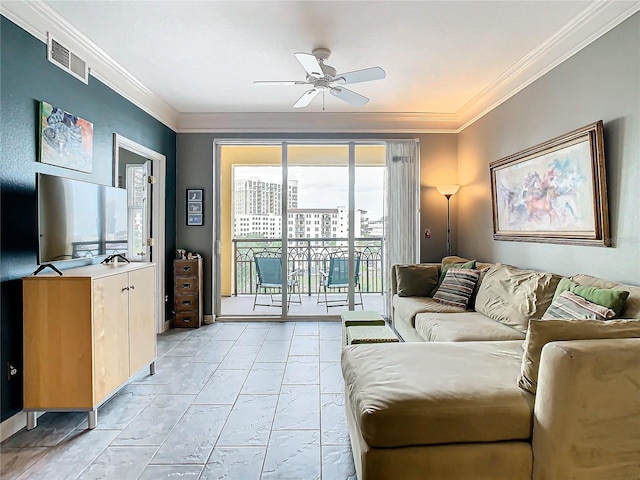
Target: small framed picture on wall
(194, 195)
(195, 207)
(194, 220)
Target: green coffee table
(370, 334)
(361, 317)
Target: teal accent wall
(26, 78)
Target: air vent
(64, 58)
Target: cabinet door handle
(125, 288)
(132, 287)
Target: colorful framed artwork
(195, 207)
(554, 192)
(66, 140)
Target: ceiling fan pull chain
(323, 101)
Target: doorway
(142, 172)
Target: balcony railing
(307, 257)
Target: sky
(327, 187)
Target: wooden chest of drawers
(187, 291)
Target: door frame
(159, 169)
(284, 143)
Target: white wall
(601, 82)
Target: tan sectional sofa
(446, 403)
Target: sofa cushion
(568, 305)
(542, 332)
(463, 327)
(416, 280)
(457, 287)
(437, 393)
(512, 295)
(406, 308)
(607, 297)
(631, 305)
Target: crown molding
(594, 21)
(600, 16)
(316, 122)
(38, 18)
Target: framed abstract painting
(66, 140)
(554, 192)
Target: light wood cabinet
(85, 334)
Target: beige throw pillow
(541, 332)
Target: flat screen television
(79, 219)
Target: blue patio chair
(269, 278)
(338, 278)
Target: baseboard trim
(14, 424)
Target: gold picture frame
(554, 192)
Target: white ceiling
(189, 62)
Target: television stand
(45, 266)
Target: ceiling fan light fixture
(323, 78)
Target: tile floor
(238, 401)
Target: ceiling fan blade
(280, 82)
(306, 98)
(348, 96)
(357, 76)
(310, 64)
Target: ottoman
(365, 317)
(370, 334)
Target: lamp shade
(448, 190)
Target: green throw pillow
(416, 280)
(471, 264)
(613, 299)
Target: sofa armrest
(587, 410)
(394, 279)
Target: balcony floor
(242, 305)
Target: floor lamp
(448, 191)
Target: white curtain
(402, 209)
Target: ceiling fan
(324, 78)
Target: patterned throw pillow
(610, 298)
(457, 287)
(569, 305)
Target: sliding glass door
(301, 230)
(250, 231)
(318, 226)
